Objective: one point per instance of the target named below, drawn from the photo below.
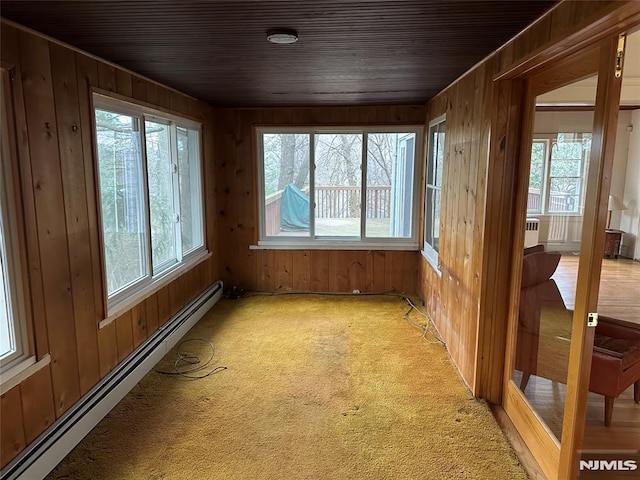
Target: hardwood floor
(619, 298)
(619, 286)
(548, 397)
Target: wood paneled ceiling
(349, 53)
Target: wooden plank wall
(51, 91)
(469, 303)
(452, 299)
(51, 96)
(296, 270)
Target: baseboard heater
(41, 456)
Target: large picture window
(149, 170)
(338, 187)
(433, 190)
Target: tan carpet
(317, 387)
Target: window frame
(11, 265)
(152, 280)
(313, 241)
(199, 167)
(175, 197)
(13, 261)
(546, 140)
(550, 139)
(428, 251)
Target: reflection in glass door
(558, 176)
(612, 426)
(565, 158)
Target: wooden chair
(615, 364)
(537, 291)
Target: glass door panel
(612, 428)
(558, 172)
(567, 143)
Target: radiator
(531, 231)
(41, 456)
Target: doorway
(563, 182)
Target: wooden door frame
(500, 216)
(540, 440)
(552, 455)
(593, 239)
(501, 181)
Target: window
(558, 168)
(337, 187)
(150, 195)
(13, 334)
(433, 192)
(14, 337)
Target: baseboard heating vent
(531, 232)
(40, 457)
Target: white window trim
(332, 243)
(160, 281)
(431, 256)
(201, 207)
(17, 362)
(9, 253)
(428, 252)
(130, 295)
(313, 242)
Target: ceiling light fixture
(282, 36)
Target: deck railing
(344, 201)
(334, 202)
(534, 201)
(272, 212)
(558, 202)
(559, 216)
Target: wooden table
(612, 243)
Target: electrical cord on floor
(429, 332)
(186, 359)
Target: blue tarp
(295, 209)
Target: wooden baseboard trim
(517, 443)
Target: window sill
(21, 371)
(135, 298)
(334, 245)
(432, 259)
(554, 214)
